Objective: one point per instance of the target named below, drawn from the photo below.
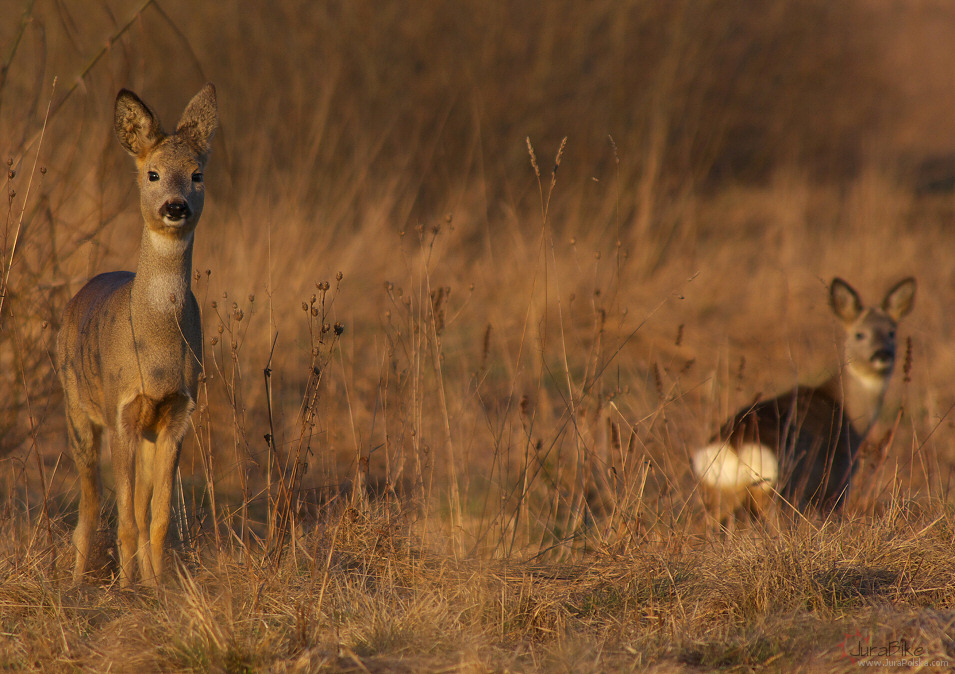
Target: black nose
(883, 356)
(175, 210)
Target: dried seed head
(304, 306)
(530, 151)
(315, 351)
(172, 298)
(314, 299)
(251, 298)
(235, 305)
(238, 315)
(43, 170)
(11, 174)
(215, 305)
(220, 329)
(314, 311)
(214, 340)
(907, 365)
(326, 327)
(339, 329)
(339, 276)
(197, 276)
(45, 325)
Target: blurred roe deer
(129, 352)
(803, 443)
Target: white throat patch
(168, 246)
(167, 292)
(868, 380)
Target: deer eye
(891, 334)
(860, 336)
(153, 176)
(197, 177)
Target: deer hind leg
(86, 439)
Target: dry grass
(485, 374)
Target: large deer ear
(136, 126)
(844, 301)
(200, 120)
(900, 299)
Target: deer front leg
(167, 458)
(124, 473)
(173, 422)
(145, 481)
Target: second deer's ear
(899, 300)
(200, 119)
(136, 126)
(844, 301)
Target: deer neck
(163, 279)
(859, 394)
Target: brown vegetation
(483, 375)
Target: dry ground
(486, 470)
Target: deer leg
(145, 479)
(124, 469)
(173, 421)
(86, 440)
(167, 458)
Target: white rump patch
(724, 467)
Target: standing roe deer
(129, 353)
(803, 444)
